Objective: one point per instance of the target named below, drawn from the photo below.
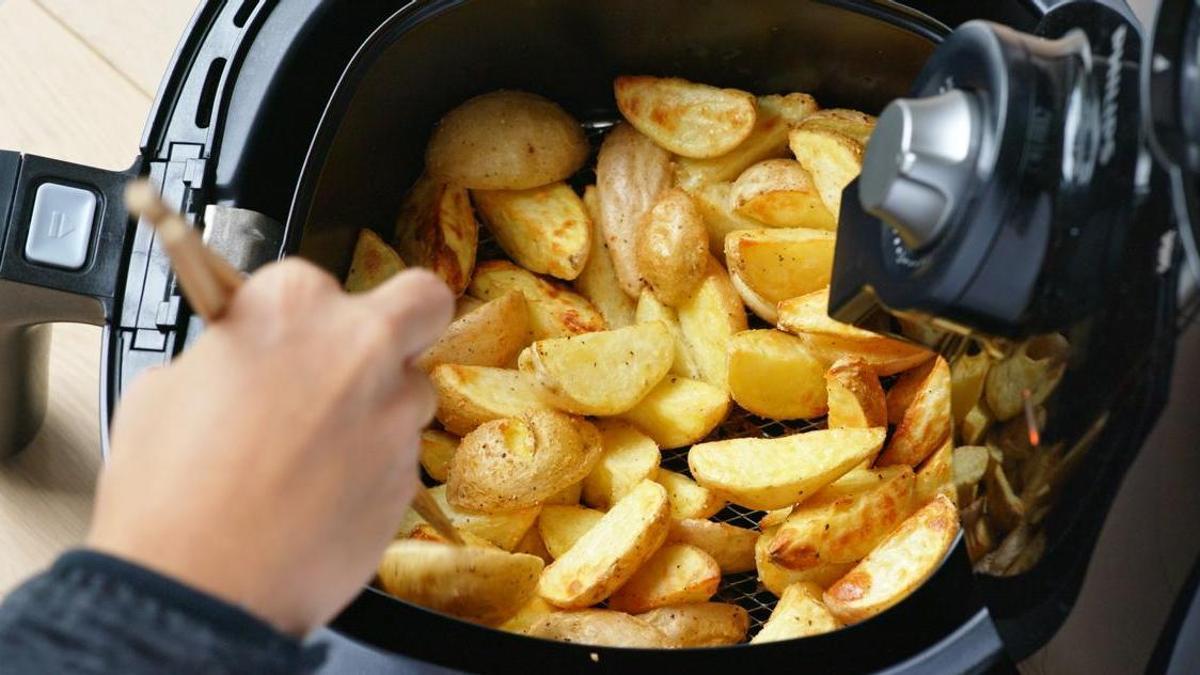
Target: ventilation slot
(208, 95)
(244, 12)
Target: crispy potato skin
(686, 118)
(776, 578)
(700, 624)
(554, 311)
(506, 140)
(374, 262)
(601, 627)
(492, 335)
(926, 423)
(780, 193)
(675, 574)
(936, 476)
(671, 247)
(799, 613)
(436, 229)
(544, 229)
(856, 397)
(598, 282)
(732, 547)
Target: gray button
(61, 226)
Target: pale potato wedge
(568, 496)
(780, 193)
(374, 262)
(506, 140)
(650, 308)
(976, 423)
(607, 555)
(502, 529)
(770, 473)
(898, 565)
(807, 317)
(772, 375)
(492, 335)
(671, 247)
(603, 373)
(688, 500)
(474, 583)
(776, 578)
(466, 304)
(936, 476)
(554, 311)
(436, 229)
(679, 411)
(709, 319)
(830, 144)
(532, 544)
(700, 624)
(674, 575)
(601, 627)
(529, 614)
(799, 613)
(1038, 366)
(437, 450)
(471, 395)
(970, 463)
(1004, 508)
(855, 396)
(544, 229)
(631, 171)
(768, 140)
(926, 424)
(517, 462)
(598, 282)
(731, 546)
(845, 520)
(770, 266)
(968, 373)
(713, 203)
(687, 118)
(629, 458)
(562, 526)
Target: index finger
(417, 304)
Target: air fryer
(283, 127)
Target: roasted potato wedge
(776, 578)
(674, 575)
(700, 624)
(774, 518)
(436, 229)
(650, 308)
(598, 281)
(968, 373)
(544, 229)
(780, 193)
(830, 143)
(492, 335)
(671, 247)
(936, 476)
(687, 118)
(554, 311)
(898, 565)
(631, 171)
(466, 304)
(926, 423)
(471, 395)
(679, 411)
(969, 466)
(606, 372)
(688, 500)
(568, 496)
(856, 398)
(532, 544)
(732, 547)
(976, 423)
(770, 473)
(1004, 507)
(437, 450)
(799, 613)
(1037, 366)
(771, 374)
(506, 140)
(629, 458)
(601, 627)
(844, 521)
(529, 614)
(519, 462)
(713, 203)
(770, 266)
(374, 262)
(562, 526)
(426, 532)
(709, 319)
(474, 583)
(607, 555)
(502, 529)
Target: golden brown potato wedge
(774, 518)
(709, 319)
(898, 565)
(770, 473)
(844, 521)
(1037, 366)
(674, 575)
(629, 458)
(688, 500)
(506, 140)
(631, 171)
(492, 335)
(679, 411)
(529, 614)
(700, 624)
(466, 304)
(732, 547)
(936, 476)
(436, 229)
(532, 544)
(713, 203)
(568, 496)
(799, 613)
(598, 282)
(671, 247)
(603, 373)
(780, 193)
(374, 263)
(856, 398)
(650, 308)
(471, 395)
(771, 374)
(502, 529)
(830, 143)
(967, 376)
(554, 311)
(608, 554)
(562, 526)
(437, 449)
(904, 390)
(776, 578)
(426, 532)
(544, 229)
(926, 423)
(687, 118)
(770, 266)
(518, 462)
(601, 627)
(474, 583)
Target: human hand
(270, 464)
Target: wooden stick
(426, 507)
